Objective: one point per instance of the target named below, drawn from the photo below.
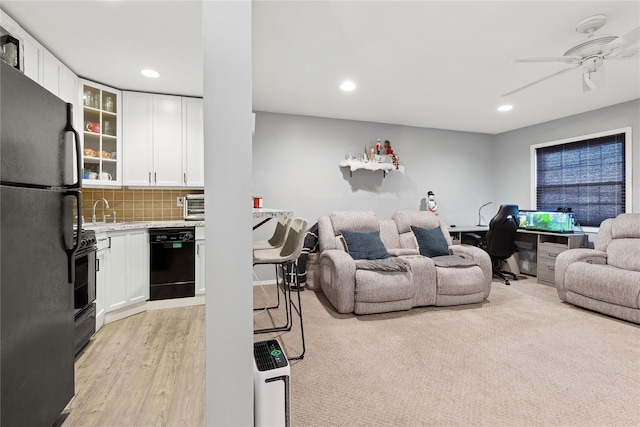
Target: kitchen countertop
(103, 227)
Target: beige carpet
(522, 358)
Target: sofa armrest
(568, 257)
(338, 279)
(481, 258)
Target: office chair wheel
(506, 282)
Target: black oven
(84, 290)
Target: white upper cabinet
(193, 142)
(162, 141)
(59, 79)
(167, 138)
(137, 135)
(101, 135)
(33, 56)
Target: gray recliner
(605, 279)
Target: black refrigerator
(39, 202)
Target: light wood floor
(145, 370)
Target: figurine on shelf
(432, 206)
(378, 146)
(372, 153)
(396, 161)
(387, 148)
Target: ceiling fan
(590, 54)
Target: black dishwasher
(173, 263)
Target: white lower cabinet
(127, 267)
(102, 279)
(200, 261)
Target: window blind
(587, 176)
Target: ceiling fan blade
(615, 47)
(624, 54)
(565, 59)
(557, 73)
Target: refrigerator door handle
(71, 252)
(69, 128)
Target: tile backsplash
(134, 205)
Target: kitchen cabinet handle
(155, 177)
(97, 265)
(184, 178)
(149, 177)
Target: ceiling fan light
(504, 108)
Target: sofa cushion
(459, 281)
(354, 221)
(405, 219)
(383, 286)
(431, 242)
(626, 226)
(624, 253)
(604, 283)
(364, 245)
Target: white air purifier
(271, 388)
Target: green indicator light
(276, 353)
(177, 245)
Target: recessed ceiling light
(152, 74)
(505, 108)
(348, 86)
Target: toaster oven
(194, 207)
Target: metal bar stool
(286, 258)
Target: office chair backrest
(502, 232)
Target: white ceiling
(436, 64)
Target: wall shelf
(373, 166)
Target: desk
(267, 214)
(538, 250)
(457, 231)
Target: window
(589, 174)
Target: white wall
(296, 167)
(511, 179)
(229, 297)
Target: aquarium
(559, 222)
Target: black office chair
(500, 239)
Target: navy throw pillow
(364, 245)
(431, 241)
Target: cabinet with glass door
(101, 135)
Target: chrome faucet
(106, 206)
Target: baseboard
(113, 316)
(264, 282)
(143, 306)
(175, 302)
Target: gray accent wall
(295, 166)
(511, 163)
